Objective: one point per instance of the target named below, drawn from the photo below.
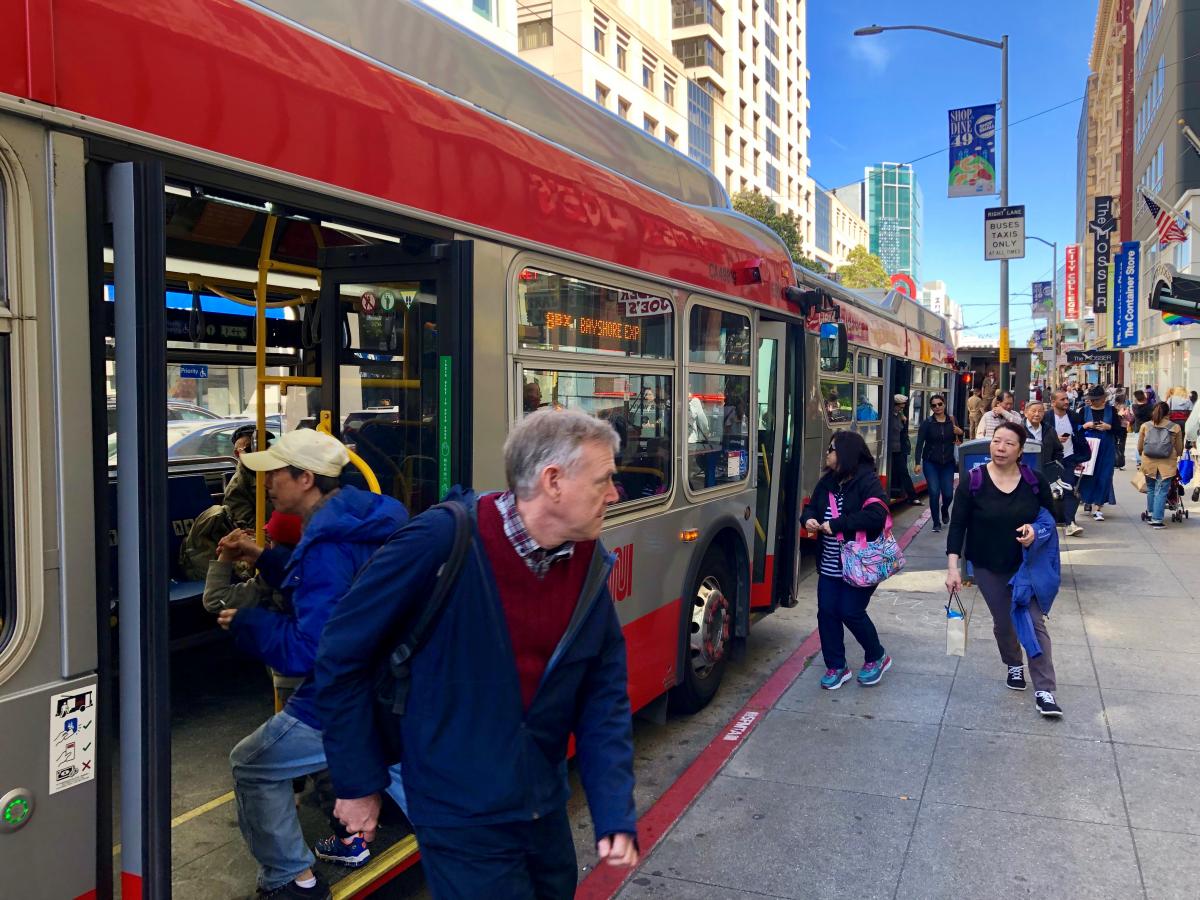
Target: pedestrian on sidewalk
(1160, 443)
(839, 507)
(1142, 409)
(1123, 426)
(899, 448)
(936, 439)
(992, 523)
(1037, 430)
(1069, 428)
(1099, 421)
(1001, 411)
(975, 410)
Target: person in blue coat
(526, 651)
(1099, 421)
(342, 527)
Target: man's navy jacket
(470, 753)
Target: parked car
(177, 411)
(204, 438)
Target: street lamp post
(1053, 245)
(1002, 46)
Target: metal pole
(1004, 351)
(1052, 369)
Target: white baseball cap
(313, 451)
(899, 398)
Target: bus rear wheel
(709, 624)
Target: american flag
(1168, 229)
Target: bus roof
(238, 81)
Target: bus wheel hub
(710, 624)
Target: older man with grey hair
(526, 651)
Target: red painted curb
(604, 881)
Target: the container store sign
(1071, 294)
(972, 151)
(1125, 306)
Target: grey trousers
(998, 596)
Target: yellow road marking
(192, 814)
(380, 865)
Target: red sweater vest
(537, 610)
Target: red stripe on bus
(651, 642)
(131, 886)
(760, 593)
(89, 895)
(403, 866)
(604, 881)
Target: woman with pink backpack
(846, 500)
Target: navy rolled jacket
(336, 542)
(471, 754)
(1040, 576)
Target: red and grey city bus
(298, 214)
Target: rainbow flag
(1176, 319)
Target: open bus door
(396, 363)
(777, 463)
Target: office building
(838, 229)
(889, 199)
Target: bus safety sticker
(72, 738)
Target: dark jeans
(841, 604)
(1120, 435)
(940, 477)
(998, 596)
(901, 481)
(513, 861)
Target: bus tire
(708, 623)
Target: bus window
(8, 595)
(560, 312)
(718, 429)
(868, 402)
(718, 336)
(870, 366)
(916, 410)
(837, 401)
(637, 406)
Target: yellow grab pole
(260, 368)
(355, 460)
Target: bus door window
(868, 403)
(638, 406)
(7, 520)
(388, 395)
(718, 399)
(837, 401)
(769, 349)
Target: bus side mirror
(833, 346)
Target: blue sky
(885, 97)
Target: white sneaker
(1073, 530)
(1098, 516)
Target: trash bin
(977, 452)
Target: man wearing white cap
(343, 526)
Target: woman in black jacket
(935, 455)
(839, 508)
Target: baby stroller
(1175, 508)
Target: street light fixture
(1002, 46)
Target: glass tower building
(892, 205)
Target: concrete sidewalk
(942, 783)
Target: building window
(696, 12)
(535, 35)
(485, 8)
(771, 106)
(771, 9)
(668, 87)
(772, 143)
(700, 124)
(622, 50)
(823, 231)
(670, 138)
(771, 39)
(623, 108)
(602, 95)
(600, 35)
(648, 76)
(772, 178)
(649, 124)
(772, 74)
(700, 51)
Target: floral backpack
(867, 563)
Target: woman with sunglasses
(838, 509)
(935, 457)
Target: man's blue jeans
(1156, 497)
(264, 764)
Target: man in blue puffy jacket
(527, 651)
(343, 526)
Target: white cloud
(871, 51)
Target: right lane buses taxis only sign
(1004, 232)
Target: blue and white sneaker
(872, 672)
(835, 678)
(334, 850)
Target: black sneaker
(1016, 678)
(1046, 705)
(319, 891)
(937, 528)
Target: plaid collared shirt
(537, 558)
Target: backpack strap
(1029, 477)
(417, 634)
(975, 480)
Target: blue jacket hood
(352, 516)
